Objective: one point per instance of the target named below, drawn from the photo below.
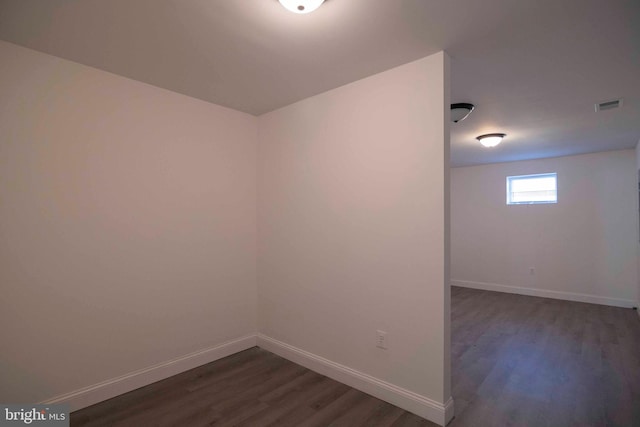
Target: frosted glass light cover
(301, 6)
(491, 139)
(460, 111)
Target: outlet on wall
(532, 270)
(381, 339)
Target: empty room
(319, 213)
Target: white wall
(128, 231)
(352, 226)
(582, 248)
(127, 225)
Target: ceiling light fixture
(460, 111)
(301, 6)
(491, 139)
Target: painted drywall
(127, 225)
(352, 225)
(583, 247)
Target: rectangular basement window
(532, 189)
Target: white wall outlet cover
(381, 339)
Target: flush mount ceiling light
(301, 6)
(491, 139)
(460, 111)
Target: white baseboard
(545, 293)
(93, 394)
(420, 405)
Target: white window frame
(537, 175)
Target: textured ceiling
(534, 68)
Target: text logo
(34, 415)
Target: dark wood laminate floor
(527, 361)
(253, 388)
(517, 361)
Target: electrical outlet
(532, 270)
(381, 340)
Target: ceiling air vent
(608, 105)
